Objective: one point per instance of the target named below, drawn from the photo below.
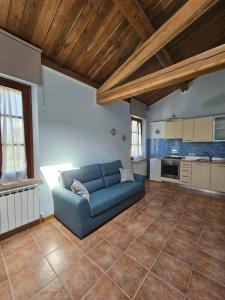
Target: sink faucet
(209, 156)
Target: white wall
(206, 96)
(74, 129)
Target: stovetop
(173, 157)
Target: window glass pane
(16, 159)
(12, 130)
(12, 105)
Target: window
(16, 144)
(136, 139)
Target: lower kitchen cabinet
(218, 177)
(201, 175)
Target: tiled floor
(170, 245)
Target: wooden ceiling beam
(52, 65)
(183, 18)
(137, 18)
(190, 68)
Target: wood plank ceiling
(92, 38)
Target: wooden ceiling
(90, 39)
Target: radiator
(18, 207)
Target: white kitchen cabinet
(219, 128)
(173, 130)
(157, 130)
(203, 129)
(200, 175)
(188, 130)
(218, 177)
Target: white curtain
(12, 135)
(136, 140)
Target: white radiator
(18, 207)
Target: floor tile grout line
(141, 284)
(103, 272)
(7, 273)
(197, 251)
(155, 260)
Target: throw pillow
(126, 175)
(78, 188)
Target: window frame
(28, 124)
(139, 120)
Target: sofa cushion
(106, 198)
(111, 173)
(90, 176)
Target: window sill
(138, 160)
(19, 184)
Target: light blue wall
(74, 129)
(206, 96)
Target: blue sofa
(108, 196)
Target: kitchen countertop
(215, 162)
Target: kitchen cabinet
(200, 176)
(188, 130)
(219, 128)
(173, 130)
(203, 129)
(157, 130)
(218, 177)
(185, 172)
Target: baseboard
(24, 227)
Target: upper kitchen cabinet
(203, 129)
(157, 130)
(188, 130)
(219, 128)
(173, 130)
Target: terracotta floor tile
(195, 216)
(104, 254)
(212, 249)
(190, 225)
(171, 214)
(121, 238)
(31, 279)
(3, 275)
(16, 242)
(181, 250)
(107, 229)
(142, 253)
(210, 267)
(127, 274)
(121, 218)
(45, 230)
(80, 277)
(133, 209)
(154, 238)
(105, 289)
(54, 290)
(48, 245)
(64, 257)
(89, 241)
(23, 257)
(203, 288)
(162, 225)
(186, 236)
(5, 292)
(175, 272)
(138, 224)
(155, 289)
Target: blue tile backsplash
(165, 147)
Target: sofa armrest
(69, 205)
(139, 177)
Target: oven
(170, 167)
